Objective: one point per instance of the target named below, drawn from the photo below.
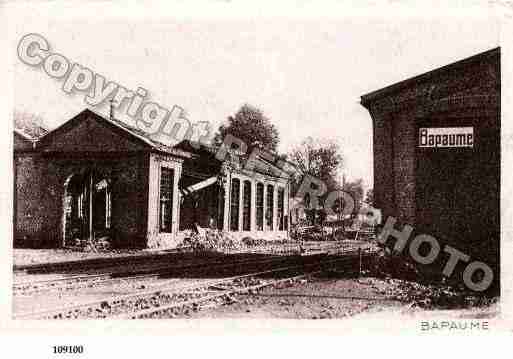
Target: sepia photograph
(212, 165)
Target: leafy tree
(321, 160)
(251, 126)
(355, 189)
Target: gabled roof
(416, 80)
(123, 128)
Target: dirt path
(329, 298)
(317, 298)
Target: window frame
(168, 202)
(246, 205)
(235, 204)
(281, 208)
(259, 206)
(269, 208)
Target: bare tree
(320, 159)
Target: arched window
(260, 206)
(246, 214)
(234, 208)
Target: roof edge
(366, 99)
(98, 117)
(25, 135)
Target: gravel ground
(321, 297)
(38, 256)
(326, 298)
(49, 300)
(315, 298)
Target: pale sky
(306, 75)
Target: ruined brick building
(443, 187)
(96, 177)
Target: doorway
(87, 208)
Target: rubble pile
(212, 240)
(422, 290)
(253, 242)
(101, 245)
(388, 263)
(313, 236)
(435, 296)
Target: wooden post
(220, 208)
(253, 226)
(264, 203)
(241, 204)
(342, 207)
(360, 260)
(275, 220)
(91, 234)
(64, 222)
(227, 204)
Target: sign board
(446, 137)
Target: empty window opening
(260, 206)
(234, 214)
(166, 199)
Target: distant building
(97, 178)
(437, 154)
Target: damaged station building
(96, 178)
(437, 155)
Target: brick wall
(28, 216)
(404, 143)
(384, 194)
(453, 194)
(40, 195)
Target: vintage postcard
(204, 164)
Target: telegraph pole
(341, 211)
(340, 206)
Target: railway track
(170, 300)
(211, 298)
(118, 274)
(105, 262)
(186, 254)
(124, 275)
